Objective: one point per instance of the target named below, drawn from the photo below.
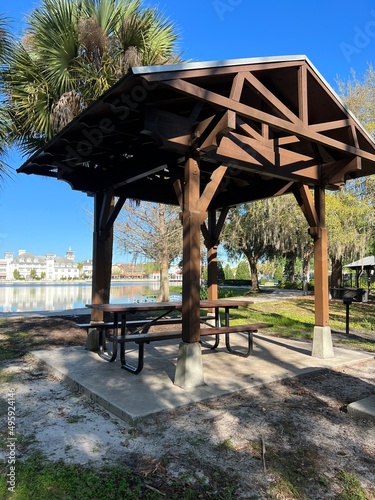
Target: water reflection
(22, 297)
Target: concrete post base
(322, 342)
(92, 342)
(189, 369)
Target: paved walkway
(152, 391)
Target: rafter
(322, 127)
(258, 159)
(303, 107)
(268, 96)
(209, 132)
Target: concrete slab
(364, 408)
(131, 396)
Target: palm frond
(54, 33)
(6, 42)
(6, 39)
(72, 52)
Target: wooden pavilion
(208, 136)
(359, 266)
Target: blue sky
(43, 215)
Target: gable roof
(271, 123)
(365, 262)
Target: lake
(55, 297)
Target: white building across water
(29, 266)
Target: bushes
(223, 293)
(234, 282)
(296, 285)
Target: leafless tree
(154, 231)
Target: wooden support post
(102, 257)
(191, 220)
(211, 245)
(322, 342)
(189, 368)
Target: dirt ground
(288, 439)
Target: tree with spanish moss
(349, 227)
(265, 229)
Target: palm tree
(73, 51)
(5, 47)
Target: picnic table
(125, 330)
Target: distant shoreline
(77, 282)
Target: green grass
(351, 487)
(38, 479)
(5, 376)
(13, 344)
(227, 445)
(294, 318)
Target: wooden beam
(211, 188)
(237, 87)
(179, 192)
(206, 134)
(249, 112)
(321, 263)
(253, 157)
(211, 245)
(105, 209)
(288, 140)
(306, 202)
(269, 97)
(223, 125)
(114, 212)
(102, 255)
(221, 221)
(142, 175)
(354, 135)
(303, 108)
(224, 70)
(336, 173)
(191, 219)
(322, 127)
(265, 133)
(169, 129)
(251, 132)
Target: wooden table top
(156, 306)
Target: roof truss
(266, 126)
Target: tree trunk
(164, 282)
(253, 261)
(336, 277)
(290, 266)
(307, 252)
